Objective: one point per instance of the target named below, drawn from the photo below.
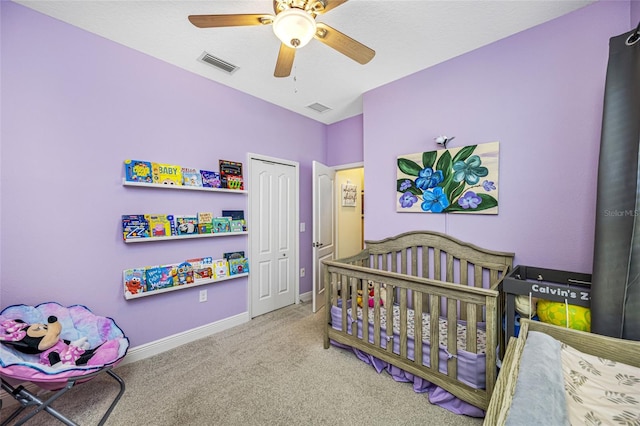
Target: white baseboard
(153, 348)
(170, 342)
(306, 297)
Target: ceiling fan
(295, 25)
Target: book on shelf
(238, 266)
(233, 255)
(221, 225)
(220, 268)
(202, 268)
(161, 276)
(166, 174)
(237, 226)
(210, 179)
(160, 225)
(184, 273)
(191, 177)
(138, 171)
(134, 281)
(205, 222)
(134, 226)
(231, 174)
(186, 224)
(233, 214)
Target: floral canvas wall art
(452, 180)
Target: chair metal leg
(27, 399)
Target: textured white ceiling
(407, 35)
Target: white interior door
(323, 226)
(273, 230)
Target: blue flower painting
(453, 180)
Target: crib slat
(434, 333)
(425, 261)
(417, 330)
(354, 306)
(403, 323)
(346, 292)
(414, 261)
(452, 337)
(437, 264)
(464, 280)
(365, 310)
(376, 323)
(472, 329)
(449, 276)
(403, 261)
(477, 275)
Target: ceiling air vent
(218, 63)
(318, 107)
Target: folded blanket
(539, 398)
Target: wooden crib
(422, 274)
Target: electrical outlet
(203, 295)
(302, 272)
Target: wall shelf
(183, 237)
(182, 287)
(182, 187)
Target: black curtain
(615, 293)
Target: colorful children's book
(134, 281)
(161, 276)
(202, 268)
(185, 273)
(233, 255)
(220, 268)
(233, 214)
(191, 177)
(210, 179)
(230, 169)
(166, 174)
(186, 224)
(205, 222)
(134, 226)
(221, 224)
(160, 225)
(235, 182)
(137, 171)
(237, 225)
(238, 266)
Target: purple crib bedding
(471, 366)
(100, 336)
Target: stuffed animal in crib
(371, 295)
(44, 340)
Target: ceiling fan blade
(343, 43)
(332, 4)
(210, 21)
(285, 61)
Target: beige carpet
(272, 370)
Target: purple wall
(344, 142)
(75, 106)
(635, 13)
(539, 93)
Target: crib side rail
(342, 282)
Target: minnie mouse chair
(56, 348)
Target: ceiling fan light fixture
(294, 27)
